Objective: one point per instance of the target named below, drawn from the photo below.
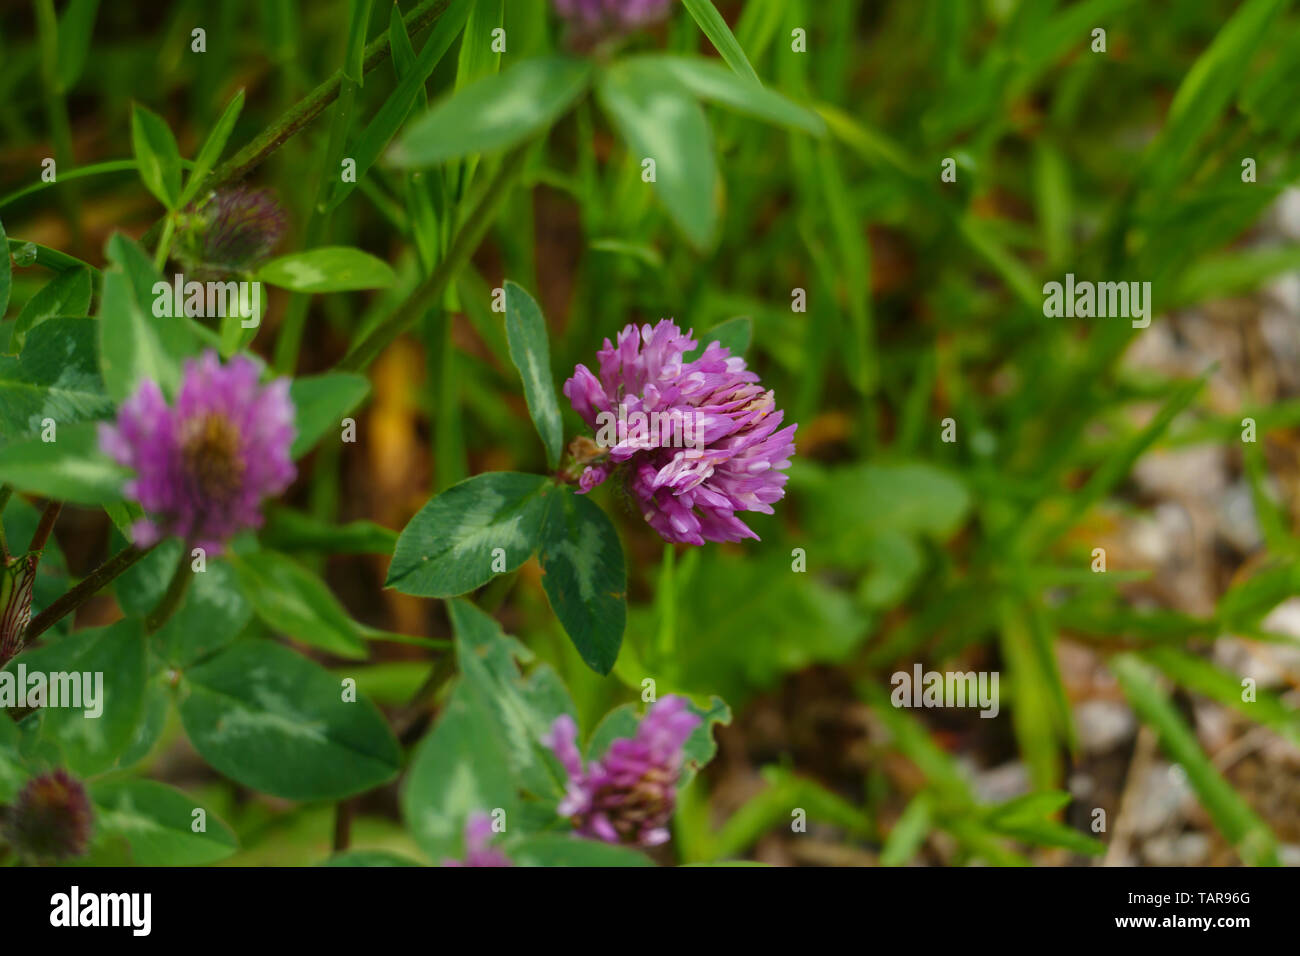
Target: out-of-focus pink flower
(592, 21)
(478, 834)
(204, 465)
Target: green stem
(84, 590)
(53, 259)
(450, 466)
(5, 492)
(408, 721)
(428, 293)
(288, 345)
(494, 595)
(384, 205)
(165, 243)
(81, 172)
(667, 643)
(175, 593)
(56, 107)
(306, 110)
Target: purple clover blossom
(593, 21)
(232, 231)
(204, 465)
(628, 795)
(737, 456)
(478, 834)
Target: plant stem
(56, 109)
(494, 595)
(84, 590)
(289, 342)
(667, 599)
(407, 721)
(165, 243)
(65, 175)
(42, 533)
(53, 259)
(428, 293)
(302, 113)
(5, 492)
(450, 463)
(342, 825)
(175, 593)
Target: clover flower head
(204, 464)
(712, 403)
(230, 232)
(50, 818)
(627, 795)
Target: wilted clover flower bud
(592, 22)
(50, 819)
(628, 795)
(16, 579)
(232, 231)
(478, 834)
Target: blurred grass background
(1121, 691)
